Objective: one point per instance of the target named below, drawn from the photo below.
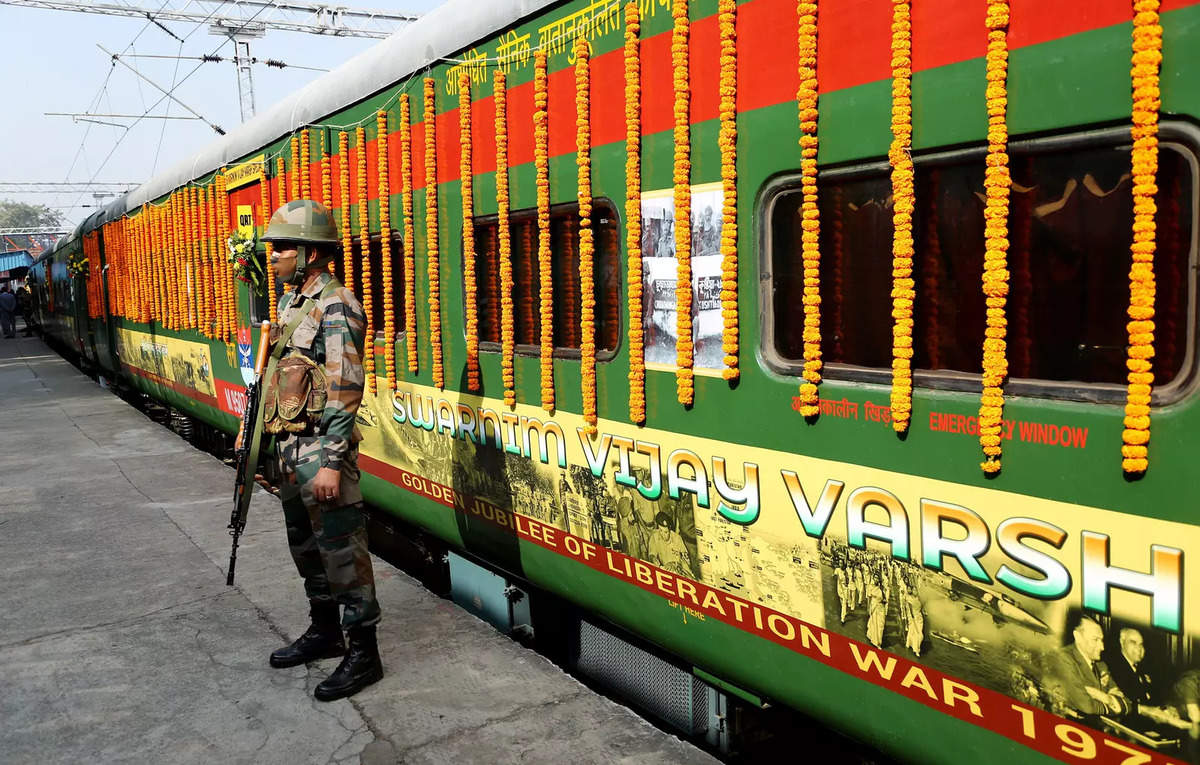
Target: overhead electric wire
(186, 77)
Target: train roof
(449, 28)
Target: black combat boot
(358, 669)
(322, 640)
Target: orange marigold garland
(997, 184)
(326, 186)
(385, 248)
(727, 140)
(206, 273)
(1144, 74)
(222, 234)
(587, 287)
(179, 277)
(903, 195)
(217, 258)
(684, 376)
(265, 211)
(344, 193)
(633, 212)
(467, 180)
(541, 161)
(305, 155)
(410, 251)
(364, 245)
(294, 172)
(431, 233)
(507, 334)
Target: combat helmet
(304, 223)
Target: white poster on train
(660, 276)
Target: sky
(51, 63)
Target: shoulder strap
(286, 335)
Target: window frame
(560, 352)
(1174, 135)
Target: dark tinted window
(564, 246)
(1070, 223)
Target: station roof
(15, 259)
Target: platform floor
(119, 641)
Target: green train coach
(845, 351)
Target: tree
(22, 215)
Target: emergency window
(1070, 230)
(564, 248)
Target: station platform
(119, 641)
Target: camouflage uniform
(329, 542)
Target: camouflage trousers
(328, 541)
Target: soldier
(322, 321)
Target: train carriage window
(1070, 224)
(376, 257)
(564, 247)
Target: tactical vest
(296, 390)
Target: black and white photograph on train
(660, 276)
(1124, 678)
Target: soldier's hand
(326, 486)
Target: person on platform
(8, 309)
(1081, 679)
(666, 547)
(322, 327)
(25, 306)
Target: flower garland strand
(727, 141)
(900, 158)
(1144, 75)
(997, 184)
(265, 211)
(684, 376)
(202, 242)
(168, 267)
(164, 267)
(326, 173)
(541, 161)
(179, 304)
(385, 248)
(222, 201)
(587, 286)
(364, 246)
(466, 176)
(507, 341)
(294, 172)
(633, 212)
(344, 193)
(305, 156)
(219, 329)
(433, 253)
(145, 256)
(191, 269)
(410, 244)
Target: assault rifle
(249, 441)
